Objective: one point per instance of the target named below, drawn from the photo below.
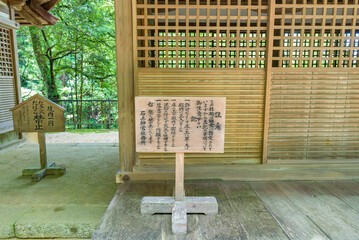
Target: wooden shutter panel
(244, 90)
(314, 117)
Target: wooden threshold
(244, 172)
(13, 143)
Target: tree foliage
(74, 59)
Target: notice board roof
(38, 96)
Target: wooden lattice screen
(201, 34)
(8, 91)
(234, 33)
(324, 34)
(5, 57)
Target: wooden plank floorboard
(123, 219)
(270, 210)
(347, 191)
(251, 212)
(329, 213)
(294, 222)
(225, 225)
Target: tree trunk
(53, 93)
(46, 68)
(76, 88)
(81, 83)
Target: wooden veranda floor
(256, 210)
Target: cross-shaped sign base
(39, 173)
(179, 205)
(46, 168)
(179, 209)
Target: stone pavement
(70, 206)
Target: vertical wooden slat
(270, 32)
(125, 83)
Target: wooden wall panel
(231, 48)
(244, 90)
(314, 116)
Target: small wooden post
(42, 146)
(179, 182)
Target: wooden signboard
(38, 114)
(180, 125)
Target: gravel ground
(65, 137)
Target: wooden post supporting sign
(179, 181)
(180, 125)
(38, 114)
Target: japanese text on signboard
(180, 124)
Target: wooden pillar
(125, 83)
(270, 33)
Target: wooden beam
(17, 4)
(9, 23)
(244, 172)
(42, 13)
(33, 12)
(27, 14)
(270, 33)
(37, 15)
(125, 83)
(50, 4)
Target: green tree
(76, 57)
(46, 60)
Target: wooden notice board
(38, 114)
(180, 124)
